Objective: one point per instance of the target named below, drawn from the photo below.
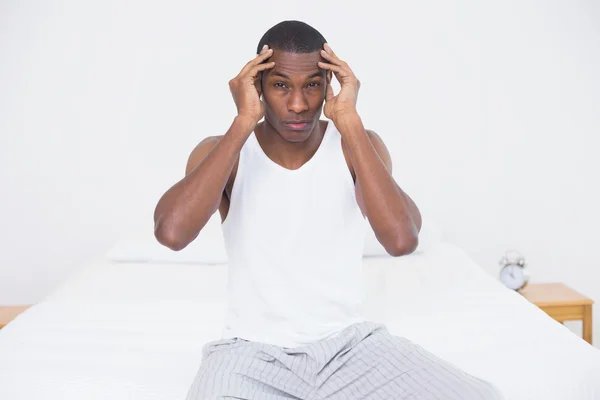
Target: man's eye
(280, 85)
(313, 84)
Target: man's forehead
(303, 64)
(282, 72)
(291, 54)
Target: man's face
(294, 91)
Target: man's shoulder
(205, 145)
(201, 150)
(210, 140)
(373, 135)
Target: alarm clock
(514, 273)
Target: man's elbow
(404, 246)
(169, 237)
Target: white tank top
(294, 240)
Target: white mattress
(135, 331)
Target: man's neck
(290, 155)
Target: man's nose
(297, 102)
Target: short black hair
(292, 37)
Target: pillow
(209, 247)
(142, 246)
(429, 236)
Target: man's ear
(258, 85)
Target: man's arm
(393, 215)
(185, 208)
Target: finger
(329, 92)
(265, 50)
(329, 50)
(336, 69)
(343, 74)
(331, 58)
(261, 67)
(261, 57)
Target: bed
(132, 329)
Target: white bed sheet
(136, 331)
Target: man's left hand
(344, 103)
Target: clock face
(513, 276)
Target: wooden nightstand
(8, 313)
(562, 303)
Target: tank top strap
(328, 140)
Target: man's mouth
(297, 125)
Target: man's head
(294, 90)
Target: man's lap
(363, 362)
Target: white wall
(490, 111)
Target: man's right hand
(246, 93)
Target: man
(295, 193)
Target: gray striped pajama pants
(363, 362)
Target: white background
(491, 113)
